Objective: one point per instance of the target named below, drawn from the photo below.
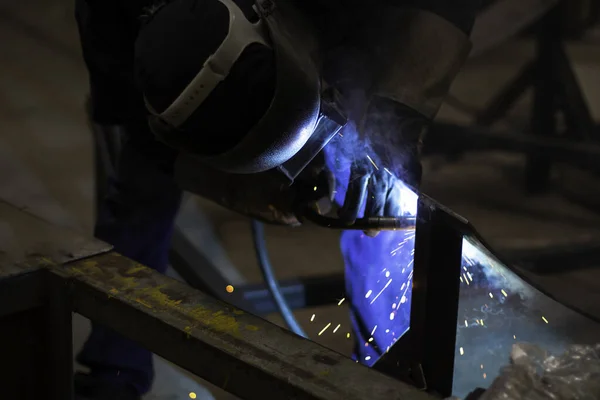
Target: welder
(214, 96)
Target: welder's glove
(387, 156)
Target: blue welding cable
(258, 237)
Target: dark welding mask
(302, 117)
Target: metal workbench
(46, 273)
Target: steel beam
(236, 351)
(424, 356)
(241, 353)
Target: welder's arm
(107, 33)
(417, 49)
(420, 45)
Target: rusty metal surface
(239, 352)
(28, 242)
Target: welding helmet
(299, 116)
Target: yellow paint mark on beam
(135, 269)
(188, 331)
(154, 297)
(144, 303)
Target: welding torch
(362, 224)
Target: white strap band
(241, 34)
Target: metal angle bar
(425, 354)
(239, 352)
(585, 155)
(545, 101)
(436, 291)
(508, 95)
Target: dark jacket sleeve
(461, 13)
(418, 48)
(107, 30)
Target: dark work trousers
(137, 218)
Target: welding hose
(260, 247)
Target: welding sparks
(192, 395)
(381, 291)
(387, 274)
(373, 331)
(484, 375)
(466, 279)
(367, 358)
(312, 318)
(370, 340)
(466, 323)
(504, 293)
(341, 301)
(336, 328)
(229, 289)
(347, 335)
(368, 294)
(373, 162)
(462, 351)
(392, 315)
(491, 295)
(544, 318)
(324, 329)
(388, 171)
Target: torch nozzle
(363, 224)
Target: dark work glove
(386, 158)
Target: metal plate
(27, 242)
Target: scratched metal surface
(27, 241)
(239, 352)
